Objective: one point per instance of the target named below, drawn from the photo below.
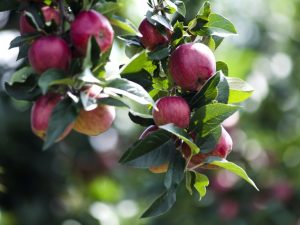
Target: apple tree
(172, 85)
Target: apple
(191, 65)
(151, 37)
(96, 121)
(172, 109)
(49, 52)
(87, 24)
(222, 150)
(41, 112)
(148, 131)
(228, 209)
(50, 14)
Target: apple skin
(49, 52)
(151, 37)
(91, 23)
(148, 131)
(172, 109)
(41, 112)
(96, 121)
(49, 14)
(191, 65)
(222, 150)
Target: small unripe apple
(151, 37)
(172, 109)
(191, 65)
(41, 112)
(96, 121)
(91, 24)
(49, 52)
(49, 13)
(222, 150)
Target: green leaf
(162, 20)
(217, 22)
(111, 101)
(208, 92)
(175, 173)
(159, 54)
(210, 116)
(223, 67)
(123, 23)
(171, 6)
(21, 75)
(107, 7)
(130, 40)
(223, 89)
(24, 39)
(63, 115)
(209, 142)
(140, 120)
(232, 167)
(181, 9)
(239, 90)
(49, 77)
(153, 150)
(92, 57)
(27, 91)
(188, 181)
(201, 182)
(130, 90)
(137, 63)
(182, 134)
(161, 205)
(142, 78)
(6, 5)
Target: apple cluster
(58, 50)
(190, 65)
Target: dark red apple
(49, 52)
(172, 109)
(91, 23)
(148, 131)
(191, 65)
(96, 121)
(49, 13)
(222, 150)
(41, 112)
(151, 37)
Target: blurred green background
(79, 182)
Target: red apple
(41, 112)
(191, 65)
(172, 109)
(96, 121)
(148, 131)
(91, 23)
(228, 209)
(222, 150)
(49, 52)
(151, 37)
(49, 13)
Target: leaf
(209, 142)
(107, 7)
(223, 89)
(123, 23)
(201, 182)
(63, 115)
(223, 67)
(27, 91)
(232, 167)
(92, 57)
(6, 5)
(188, 181)
(21, 75)
(239, 90)
(208, 92)
(142, 78)
(49, 77)
(129, 89)
(162, 20)
(137, 63)
(140, 120)
(159, 54)
(112, 102)
(161, 205)
(220, 22)
(210, 116)
(153, 150)
(130, 40)
(175, 173)
(181, 9)
(182, 134)
(171, 7)
(24, 39)
(88, 77)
